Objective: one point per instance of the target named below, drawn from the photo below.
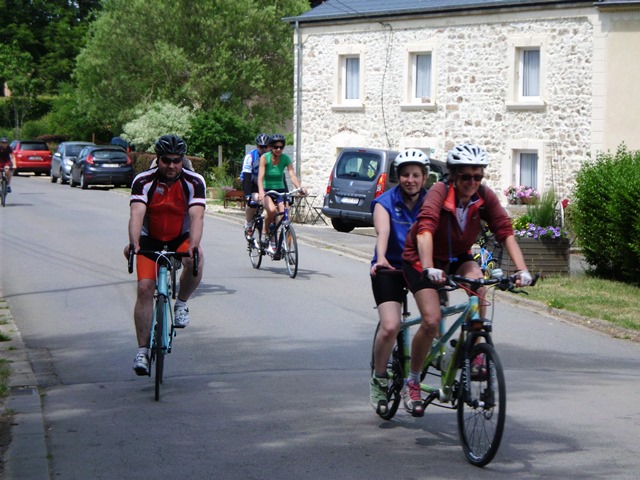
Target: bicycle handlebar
(503, 283)
(164, 254)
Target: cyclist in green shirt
(270, 177)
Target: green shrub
(605, 216)
(544, 211)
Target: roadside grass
(614, 302)
(5, 372)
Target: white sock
(144, 350)
(180, 303)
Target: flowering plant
(521, 195)
(536, 231)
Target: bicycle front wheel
(395, 374)
(3, 192)
(482, 407)
(158, 350)
(255, 249)
(290, 248)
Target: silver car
(63, 158)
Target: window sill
(412, 107)
(530, 105)
(347, 107)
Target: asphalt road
(270, 380)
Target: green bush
(543, 212)
(605, 216)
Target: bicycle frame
(163, 297)
(469, 312)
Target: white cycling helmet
(467, 155)
(412, 156)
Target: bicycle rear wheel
(158, 350)
(482, 410)
(290, 249)
(395, 374)
(255, 249)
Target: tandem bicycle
(471, 378)
(281, 232)
(163, 329)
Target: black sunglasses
(277, 147)
(169, 161)
(467, 176)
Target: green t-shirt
(273, 174)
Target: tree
(17, 68)
(158, 119)
(206, 54)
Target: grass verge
(5, 373)
(614, 302)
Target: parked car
(358, 176)
(31, 156)
(101, 165)
(63, 158)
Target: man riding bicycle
(440, 242)
(6, 160)
(167, 208)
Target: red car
(31, 156)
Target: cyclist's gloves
(525, 278)
(433, 274)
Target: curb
(26, 457)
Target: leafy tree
(17, 68)
(209, 54)
(158, 119)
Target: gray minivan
(358, 176)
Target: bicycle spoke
(290, 249)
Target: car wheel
(83, 182)
(54, 179)
(341, 225)
(72, 182)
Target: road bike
(3, 188)
(163, 328)
(470, 372)
(489, 257)
(282, 234)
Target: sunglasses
(467, 176)
(169, 161)
(277, 147)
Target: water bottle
(446, 357)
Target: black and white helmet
(467, 155)
(170, 145)
(412, 156)
(262, 140)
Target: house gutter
(298, 139)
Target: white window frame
(341, 102)
(411, 101)
(517, 47)
(511, 168)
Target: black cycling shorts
(415, 280)
(388, 287)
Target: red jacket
(438, 216)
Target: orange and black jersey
(167, 216)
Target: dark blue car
(102, 165)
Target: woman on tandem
(440, 242)
(271, 177)
(393, 213)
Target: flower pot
(547, 256)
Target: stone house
(542, 85)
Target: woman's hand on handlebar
(435, 275)
(381, 264)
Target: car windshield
(33, 146)
(109, 155)
(358, 166)
(73, 150)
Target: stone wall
(471, 56)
